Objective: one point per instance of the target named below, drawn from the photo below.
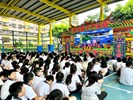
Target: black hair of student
(55, 68)
(51, 55)
(107, 58)
(48, 61)
(73, 69)
(50, 77)
(41, 61)
(55, 60)
(59, 77)
(24, 70)
(27, 77)
(128, 63)
(21, 60)
(62, 58)
(118, 59)
(14, 63)
(85, 57)
(9, 57)
(14, 90)
(92, 78)
(103, 64)
(124, 60)
(113, 57)
(102, 58)
(46, 67)
(129, 58)
(67, 64)
(91, 55)
(98, 59)
(26, 62)
(67, 57)
(89, 68)
(36, 70)
(66, 54)
(9, 72)
(16, 67)
(3, 73)
(55, 95)
(3, 55)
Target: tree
(57, 29)
(123, 12)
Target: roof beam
(57, 7)
(41, 8)
(10, 4)
(30, 21)
(3, 5)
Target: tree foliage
(59, 28)
(123, 12)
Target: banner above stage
(92, 26)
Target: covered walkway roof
(44, 11)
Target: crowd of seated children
(40, 74)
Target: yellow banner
(27, 26)
(5, 23)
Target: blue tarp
(103, 30)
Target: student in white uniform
(92, 91)
(11, 74)
(30, 94)
(66, 70)
(126, 76)
(123, 65)
(96, 66)
(37, 78)
(73, 82)
(17, 90)
(59, 85)
(43, 89)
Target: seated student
(17, 90)
(96, 66)
(73, 82)
(118, 64)
(20, 74)
(66, 69)
(123, 65)
(59, 85)
(11, 78)
(30, 94)
(37, 78)
(92, 90)
(126, 76)
(55, 95)
(104, 68)
(43, 89)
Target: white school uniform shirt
(91, 92)
(123, 65)
(61, 87)
(126, 76)
(1, 82)
(62, 64)
(96, 68)
(30, 94)
(118, 64)
(66, 71)
(79, 67)
(5, 89)
(43, 89)
(19, 76)
(72, 86)
(113, 62)
(36, 82)
(9, 63)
